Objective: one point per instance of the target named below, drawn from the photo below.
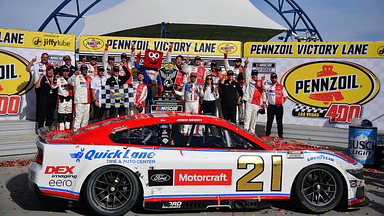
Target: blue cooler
(362, 144)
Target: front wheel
(318, 188)
(112, 190)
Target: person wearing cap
(117, 80)
(231, 94)
(276, 96)
(109, 63)
(48, 97)
(182, 76)
(212, 65)
(191, 91)
(92, 66)
(38, 68)
(128, 64)
(241, 106)
(96, 84)
(140, 94)
(67, 63)
(81, 83)
(65, 93)
(236, 69)
(197, 68)
(254, 97)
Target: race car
(181, 161)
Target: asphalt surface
(17, 199)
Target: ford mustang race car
(175, 161)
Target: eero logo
(59, 170)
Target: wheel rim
(319, 187)
(112, 189)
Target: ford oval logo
(160, 177)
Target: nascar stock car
(176, 161)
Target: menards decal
(330, 89)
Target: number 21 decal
(245, 184)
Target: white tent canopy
(237, 20)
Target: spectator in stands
(65, 92)
(48, 97)
(276, 96)
(81, 83)
(211, 94)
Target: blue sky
(336, 20)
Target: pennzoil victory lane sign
(334, 89)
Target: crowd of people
(230, 92)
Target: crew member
(276, 96)
(65, 92)
(254, 97)
(96, 84)
(82, 95)
(38, 68)
(67, 63)
(236, 69)
(118, 80)
(231, 94)
(140, 94)
(48, 97)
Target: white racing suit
(191, 93)
(82, 91)
(254, 96)
(65, 93)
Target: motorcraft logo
(110, 154)
(227, 48)
(336, 87)
(94, 43)
(203, 177)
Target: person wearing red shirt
(276, 96)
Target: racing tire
(112, 190)
(318, 189)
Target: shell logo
(93, 43)
(14, 79)
(319, 84)
(227, 48)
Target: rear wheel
(112, 190)
(318, 188)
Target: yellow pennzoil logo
(93, 43)
(319, 84)
(330, 89)
(14, 79)
(227, 48)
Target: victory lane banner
(180, 46)
(17, 48)
(330, 86)
(116, 96)
(36, 40)
(315, 49)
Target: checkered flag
(116, 96)
(301, 110)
